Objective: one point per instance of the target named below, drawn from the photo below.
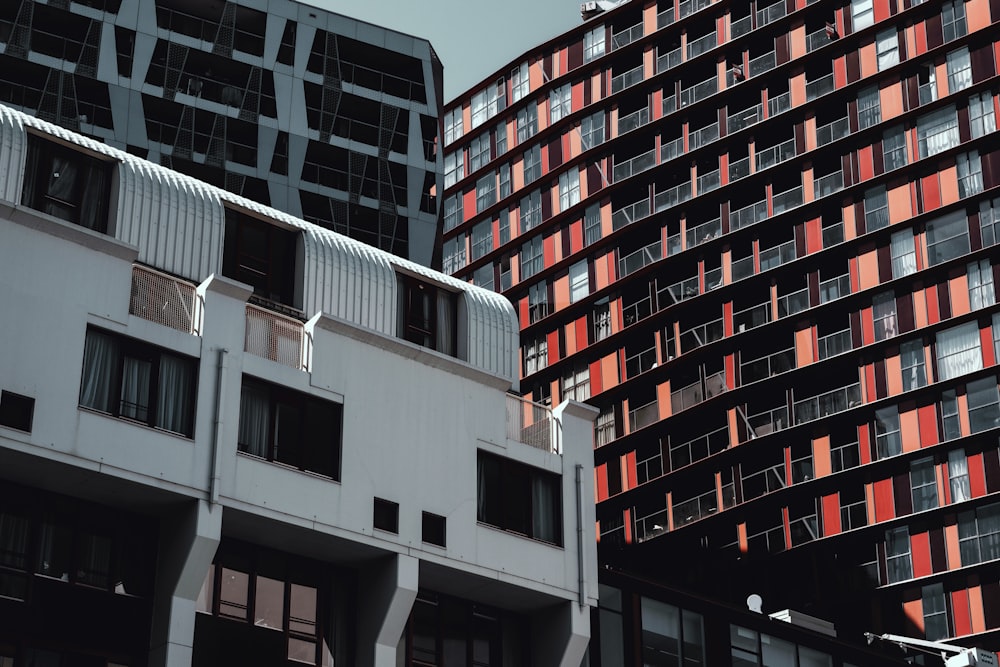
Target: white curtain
(173, 405)
(959, 70)
(980, 275)
(100, 355)
(446, 322)
(958, 351)
(904, 257)
(135, 389)
(958, 476)
(543, 509)
(937, 131)
(255, 421)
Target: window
(959, 70)
(887, 437)
(449, 631)
(531, 211)
(984, 404)
(503, 173)
(601, 320)
(958, 351)
(484, 277)
(487, 103)
(912, 362)
(579, 281)
(750, 648)
(947, 238)
(592, 130)
(593, 44)
(576, 384)
(453, 127)
(289, 427)
(532, 163)
(454, 168)
(887, 45)
(433, 529)
(937, 131)
(501, 138)
(482, 239)
(560, 102)
(884, 315)
(504, 226)
(16, 411)
(486, 192)
(536, 355)
(970, 174)
(385, 515)
(876, 209)
(260, 254)
(67, 184)
(897, 555)
(426, 314)
(935, 612)
(503, 269)
(989, 221)
(604, 427)
(519, 498)
(479, 152)
(538, 302)
(996, 336)
(527, 123)
(132, 380)
(953, 20)
(453, 252)
(980, 278)
(569, 188)
(452, 212)
(531, 257)
(862, 14)
(904, 254)
(671, 636)
(958, 476)
(923, 484)
(894, 148)
(979, 534)
(926, 83)
(519, 82)
(981, 115)
(869, 109)
(951, 426)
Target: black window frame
(87, 201)
(273, 274)
(420, 306)
(506, 498)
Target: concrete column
(188, 541)
(390, 587)
(566, 635)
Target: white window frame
(520, 82)
(970, 174)
(862, 14)
(903, 250)
(979, 275)
(560, 102)
(869, 107)
(959, 65)
(953, 23)
(454, 167)
(531, 257)
(593, 43)
(958, 351)
(937, 131)
(479, 152)
(569, 188)
(982, 118)
(453, 125)
(579, 281)
(894, 148)
(887, 47)
(950, 228)
(912, 364)
(592, 130)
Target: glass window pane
(269, 603)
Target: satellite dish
(754, 602)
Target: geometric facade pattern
(762, 239)
(330, 119)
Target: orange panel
(560, 289)
(649, 19)
(600, 274)
(839, 72)
(920, 34)
(814, 234)
(867, 326)
(919, 307)
(576, 236)
(914, 610)
(977, 476)
(581, 333)
(552, 339)
(884, 506)
(868, 270)
(869, 61)
(941, 78)
(927, 418)
(864, 444)
(596, 386)
(629, 478)
(850, 227)
(961, 618)
(804, 353)
(920, 554)
(797, 86)
(881, 10)
(627, 519)
(963, 415)
(609, 371)
(899, 204)
(601, 481)
(978, 618)
(951, 546)
(663, 399)
(948, 178)
(831, 514)
(808, 192)
(569, 338)
(730, 362)
(931, 191)
(468, 204)
(894, 375)
(741, 535)
(868, 393)
(852, 271)
(866, 167)
(977, 14)
(933, 314)
(909, 430)
(797, 41)
(870, 503)
(821, 456)
(809, 129)
(958, 292)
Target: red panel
(931, 192)
(627, 517)
(788, 530)
(727, 318)
(601, 481)
(977, 476)
(867, 327)
(920, 550)
(549, 246)
(468, 204)
(522, 307)
(881, 10)
(545, 158)
(840, 72)
(921, 32)
(596, 387)
(730, 371)
(927, 419)
(577, 95)
(870, 390)
(986, 344)
(814, 235)
(884, 509)
(933, 312)
(553, 343)
(865, 163)
(852, 268)
(960, 612)
(628, 464)
(831, 514)
(581, 334)
(576, 236)
(864, 444)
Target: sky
(473, 38)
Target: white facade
(414, 420)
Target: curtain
(173, 403)
(255, 422)
(445, 322)
(94, 200)
(937, 131)
(60, 187)
(988, 522)
(958, 351)
(135, 389)
(959, 70)
(481, 489)
(543, 509)
(904, 258)
(980, 275)
(14, 541)
(958, 476)
(100, 356)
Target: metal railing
(740, 27)
(699, 507)
(833, 344)
(640, 362)
(643, 416)
(671, 149)
(765, 367)
(753, 317)
(672, 196)
(633, 121)
(626, 79)
(710, 181)
(699, 91)
(833, 234)
(698, 448)
(530, 423)
(275, 337)
(745, 118)
(163, 299)
(826, 404)
(796, 302)
(703, 136)
(713, 279)
(779, 104)
(706, 231)
(679, 291)
(827, 185)
(640, 310)
(834, 288)
(634, 165)
(748, 215)
(830, 132)
(651, 525)
(771, 13)
(669, 104)
(626, 215)
(804, 529)
(786, 200)
(626, 36)
(819, 87)
(768, 157)
(739, 169)
(636, 260)
(769, 421)
(768, 480)
(701, 335)
(817, 40)
(763, 63)
(669, 59)
(742, 268)
(665, 18)
(701, 45)
(776, 256)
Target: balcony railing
(530, 423)
(769, 421)
(830, 132)
(636, 260)
(702, 44)
(643, 416)
(795, 302)
(833, 344)
(275, 337)
(671, 149)
(776, 256)
(699, 507)
(706, 231)
(827, 185)
(786, 200)
(834, 288)
(163, 299)
(708, 182)
(704, 135)
(768, 157)
(665, 18)
(635, 165)
(626, 79)
(672, 196)
(699, 91)
(817, 40)
(764, 481)
(713, 279)
(763, 63)
(819, 87)
(626, 215)
(668, 60)
(669, 104)
(701, 335)
(779, 104)
(833, 234)
(742, 268)
(748, 215)
(626, 36)
(679, 291)
(765, 367)
(633, 312)
(827, 404)
(771, 13)
(633, 121)
(651, 525)
(745, 118)
(804, 529)
(752, 317)
(740, 27)
(927, 92)
(640, 362)
(739, 169)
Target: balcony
(626, 79)
(830, 132)
(753, 317)
(768, 157)
(778, 255)
(706, 231)
(640, 362)
(669, 104)
(779, 104)
(748, 215)
(665, 18)
(824, 405)
(643, 416)
(739, 169)
(793, 303)
(768, 480)
(633, 121)
(769, 421)
(771, 13)
(634, 165)
(699, 448)
(699, 91)
(668, 60)
(765, 367)
(703, 136)
(684, 289)
(833, 234)
(834, 288)
(671, 149)
(672, 197)
(276, 337)
(834, 344)
(702, 45)
(626, 36)
(626, 215)
(819, 87)
(702, 335)
(640, 258)
(689, 7)
(713, 279)
(827, 185)
(163, 299)
(764, 63)
(710, 181)
(699, 507)
(745, 118)
(634, 312)
(817, 39)
(804, 529)
(651, 525)
(740, 27)
(786, 200)
(742, 268)
(530, 423)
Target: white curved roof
(177, 224)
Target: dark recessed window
(519, 498)
(386, 515)
(16, 411)
(133, 380)
(433, 529)
(426, 314)
(67, 184)
(262, 255)
(290, 427)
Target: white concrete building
(228, 436)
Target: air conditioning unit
(831, 31)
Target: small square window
(433, 529)
(386, 516)
(16, 411)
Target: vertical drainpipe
(581, 594)
(220, 383)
